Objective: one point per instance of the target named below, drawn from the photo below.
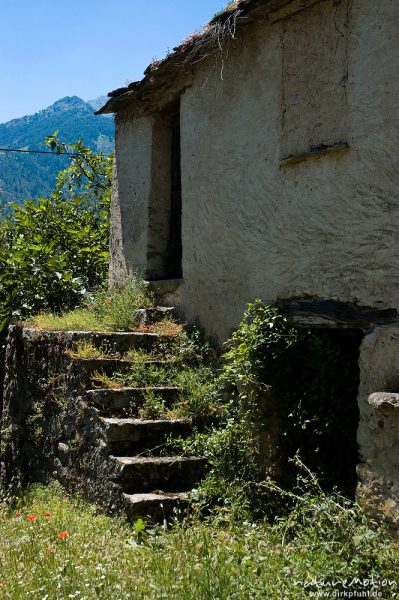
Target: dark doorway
(315, 391)
(164, 237)
(174, 251)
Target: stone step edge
(136, 421)
(77, 334)
(132, 390)
(155, 497)
(109, 360)
(156, 506)
(160, 460)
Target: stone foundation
(48, 431)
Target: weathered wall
(142, 176)
(378, 432)
(326, 227)
(130, 197)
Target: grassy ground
(71, 551)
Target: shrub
(282, 382)
(53, 250)
(116, 308)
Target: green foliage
(186, 363)
(29, 176)
(263, 336)
(104, 557)
(53, 250)
(234, 452)
(318, 524)
(233, 479)
(201, 396)
(304, 381)
(153, 407)
(116, 309)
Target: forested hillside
(27, 176)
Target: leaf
(139, 526)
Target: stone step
(166, 473)
(114, 401)
(156, 507)
(109, 366)
(149, 316)
(125, 436)
(115, 342)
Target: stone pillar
(378, 434)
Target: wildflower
(46, 514)
(89, 306)
(17, 514)
(63, 534)
(49, 549)
(32, 518)
(108, 302)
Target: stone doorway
(318, 390)
(164, 234)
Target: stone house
(261, 159)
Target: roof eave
(244, 10)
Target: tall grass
(102, 557)
(105, 310)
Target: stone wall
(378, 433)
(48, 431)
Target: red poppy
(46, 514)
(63, 534)
(17, 514)
(108, 302)
(32, 518)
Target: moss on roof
(223, 25)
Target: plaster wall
(251, 227)
(324, 227)
(130, 197)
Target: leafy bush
(53, 250)
(295, 385)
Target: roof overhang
(162, 74)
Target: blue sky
(55, 48)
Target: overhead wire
(37, 151)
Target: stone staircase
(152, 482)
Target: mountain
(98, 103)
(31, 175)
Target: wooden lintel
(318, 152)
(320, 313)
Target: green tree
(52, 250)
